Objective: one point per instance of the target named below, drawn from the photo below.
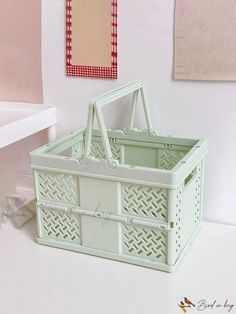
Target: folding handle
(95, 108)
(190, 178)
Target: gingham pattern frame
(91, 71)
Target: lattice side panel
(197, 199)
(193, 211)
(97, 151)
(178, 222)
(143, 242)
(145, 201)
(116, 151)
(169, 158)
(60, 225)
(58, 187)
(77, 150)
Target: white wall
(192, 109)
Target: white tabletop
(37, 279)
(20, 120)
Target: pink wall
(20, 51)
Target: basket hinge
(151, 224)
(135, 131)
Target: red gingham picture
(91, 71)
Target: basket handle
(95, 108)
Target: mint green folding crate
(129, 195)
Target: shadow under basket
(142, 204)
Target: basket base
(117, 257)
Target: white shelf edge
(39, 117)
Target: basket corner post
(171, 249)
(39, 226)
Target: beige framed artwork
(205, 41)
(91, 38)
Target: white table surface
(43, 280)
(20, 120)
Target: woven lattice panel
(115, 149)
(197, 199)
(97, 151)
(77, 151)
(144, 242)
(60, 225)
(58, 187)
(178, 221)
(144, 201)
(169, 158)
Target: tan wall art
(20, 51)
(205, 41)
(91, 38)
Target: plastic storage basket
(129, 195)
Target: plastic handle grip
(95, 108)
(117, 93)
